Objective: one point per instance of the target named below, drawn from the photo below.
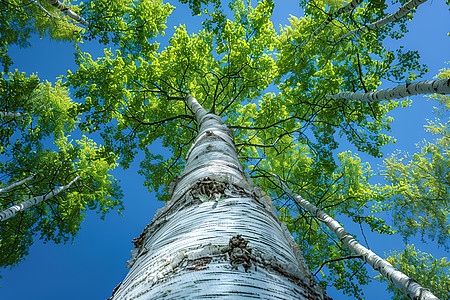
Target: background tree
(35, 146)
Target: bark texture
(438, 86)
(408, 285)
(13, 210)
(219, 236)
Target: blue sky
(95, 263)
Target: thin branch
(335, 260)
(9, 114)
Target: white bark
(13, 210)
(438, 86)
(65, 10)
(9, 114)
(5, 189)
(407, 285)
(405, 9)
(186, 252)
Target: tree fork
(219, 235)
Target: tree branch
(438, 86)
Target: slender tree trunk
(13, 210)
(407, 285)
(7, 188)
(438, 86)
(219, 235)
(9, 114)
(405, 9)
(65, 10)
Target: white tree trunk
(438, 86)
(65, 10)
(13, 210)
(405, 9)
(5, 189)
(219, 236)
(9, 114)
(407, 285)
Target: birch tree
(228, 66)
(20, 19)
(46, 181)
(138, 94)
(407, 285)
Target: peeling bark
(438, 86)
(219, 236)
(13, 210)
(408, 285)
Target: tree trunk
(219, 235)
(13, 210)
(407, 285)
(438, 86)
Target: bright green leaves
(244, 66)
(137, 99)
(420, 185)
(196, 5)
(424, 268)
(37, 143)
(344, 193)
(129, 24)
(19, 19)
(419, 193)
(313, 60)
(44, 110)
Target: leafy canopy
(38, 143)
